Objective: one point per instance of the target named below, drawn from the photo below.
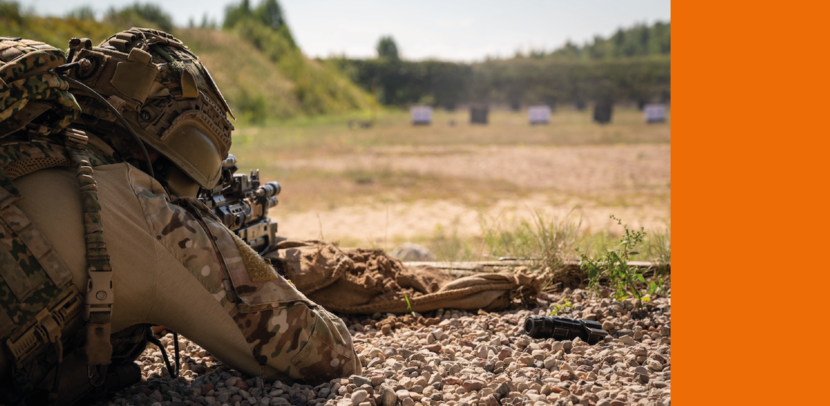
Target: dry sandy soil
(589, 182)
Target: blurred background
(461, 130)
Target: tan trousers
(152, 286)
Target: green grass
(331, 135)
(543, 240)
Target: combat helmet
(165, 94)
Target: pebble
(360, 380)
(436, 348)
(472, 385)
(402, 393)
(627, 340)
(387, 396)
(359, 396)
(449, 357)
(377, 380)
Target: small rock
(491, 401)
(359, 396)
(655, 365)
(657, 357)
(387, 396)
(453, 380)
(502, 389)
(436, 348)
(412, 252)
(627, 340)
(472, 385)
(377, 380)
(361, 380)
(402, 394)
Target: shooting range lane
(631, 181)
(574, 169)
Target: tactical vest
(42, 313)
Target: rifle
(242, 204)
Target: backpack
(30, 92)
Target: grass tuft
(543, 241)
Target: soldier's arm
(170, 269)
(288, 335)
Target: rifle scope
(269, 189)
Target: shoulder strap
(99, 296)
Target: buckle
(47, 327)
(98, 293)
(74, 136)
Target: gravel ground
(451, 358)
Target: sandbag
(363, 281)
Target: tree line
(633, 64)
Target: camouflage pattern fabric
(25, 77)
(26, 287)
(284, 329)
(33, 288)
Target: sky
(459, 30)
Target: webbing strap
(99, 295)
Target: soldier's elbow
(329, 352)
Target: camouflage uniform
(287, 335)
